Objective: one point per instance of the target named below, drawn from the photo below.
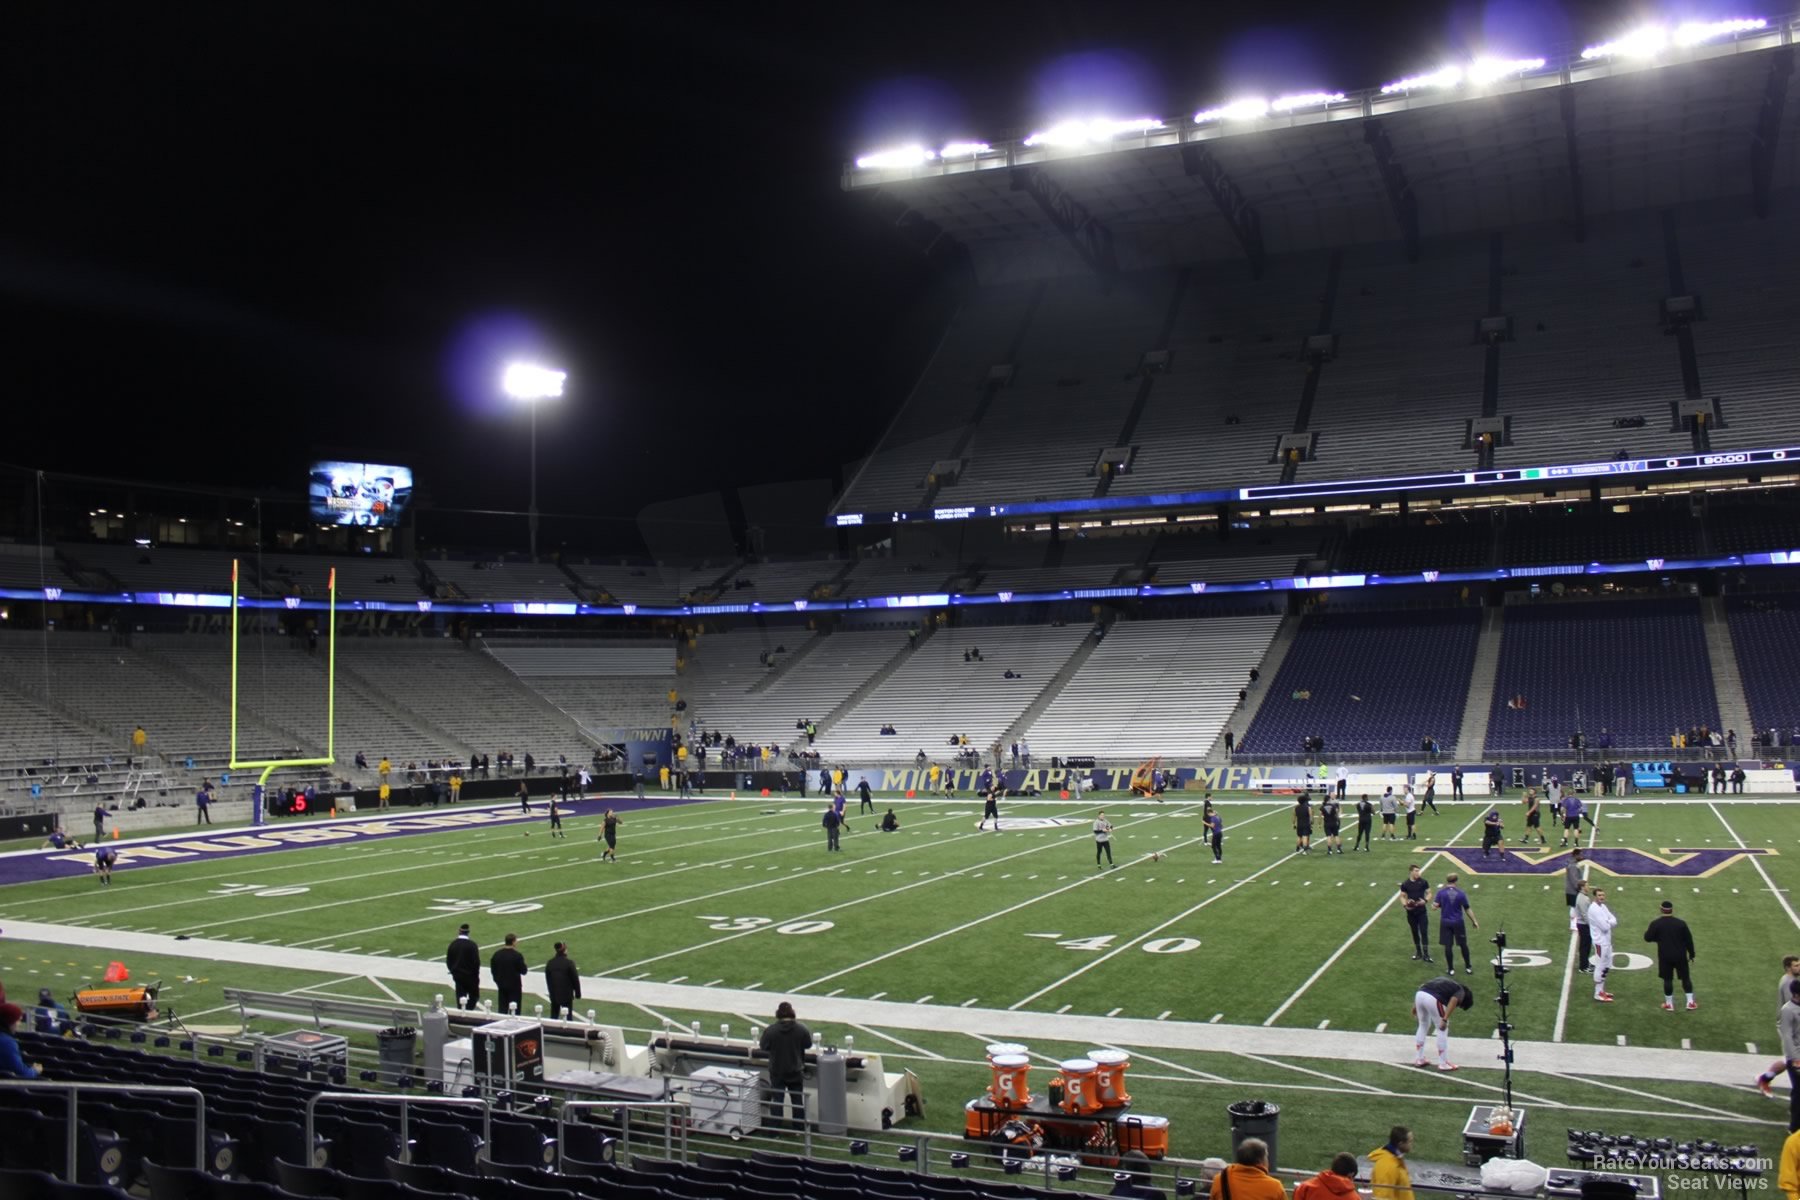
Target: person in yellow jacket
(1790, 1166)
(1388, 1178)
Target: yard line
(877, 896)
(391, 993)
(971, 1000)
(1756, 861)
(1149, 933)
(919, 1050)
(1562, 1001)
(1636, 1090)
(1115, 1012)
(1139, 1056)
(1275, 1062)
(1352, 940)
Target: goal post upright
(270, 766)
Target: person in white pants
(1433, 1003)
(1601, 923)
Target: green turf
(734, 895)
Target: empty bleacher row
(1765, 635)
(1587, 348)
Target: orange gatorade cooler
(1011, 1087)
(996, 1049)
(1109, 1081)
(1079, 1076)
(1148, 1134)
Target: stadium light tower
(531, 384)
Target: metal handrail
(74, 1090)
(625, 1109)
(405, 1103)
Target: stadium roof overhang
(1628, 134)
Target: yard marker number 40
(1169, 945)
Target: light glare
(1099, 129)
(1247, 109)
(528, 381)
(1443, 77)
(1305, 100)
(902, 156)
(1486, 70)
(1652, 40)
(964, 149)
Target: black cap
(463, 929)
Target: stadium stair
(537, 699)
(1054, 688)
(1241, 719)
(1728, 683)
(787, 663)
(878, 678)
(1479, 705)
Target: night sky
(237, 237)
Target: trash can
(834, 1094)
(395, 1049)
(1255, 1119)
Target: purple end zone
(31, 866)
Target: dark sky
(238, 236)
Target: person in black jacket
(463, 958)
(1674, 951)
(563, 981)
(786, 1043)
(508, 969)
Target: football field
(1270, 974)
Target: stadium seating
(1601, 341)
(647, 583)
(726, 667)
(600, 685)
(1744, 344)
(1765, 632)
(22, 566)
(1551, 534)
(896, 577)
(1234, 378)
(502, 581)
(1077, 373)
(1452, 545)
(937, 414)
(1406, 363)
(778, 582)
(1369, 683)
(111, 567)
(1153, 688)
(358, 577)
(1637, 669)
(935, 694)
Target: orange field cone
(334, 810)
(115, 834)
(1065, 795)
(909, 793)
(765, 793)
(115, 973)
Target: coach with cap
(463, 958)
(1674, 951)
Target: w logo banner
(1622, 862)
(1655, 564)
(1006, 597)
(1197, 587)
(629, 609)
(53, 593)
(1430, 576)
(799, 605)
(291, 601)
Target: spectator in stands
(49, 1016)
(1230, 742)
(1243, 695)
(12, 1063)
(1730, 743)
(1248, 1178)
(1336, 1182)
(203, 804)
(562, 980)
(919, 760)
(138, 741)
(530, 763)
(1737, 781)
(1388, 1174)
(463, 961)
(362, 762)
(509, 970)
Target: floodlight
(1485, 70)
(901, 156)
(1247, 109)
(527, 381)
(1647, 42)
(1693, 33)
(1098, 129)
(963, 149)
(1441, 78)
(1305, 100)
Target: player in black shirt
(1365, 823)
(609, 830)
(1328, 812)
(1303, 826)
(1415, 892)
(1434, 1003)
